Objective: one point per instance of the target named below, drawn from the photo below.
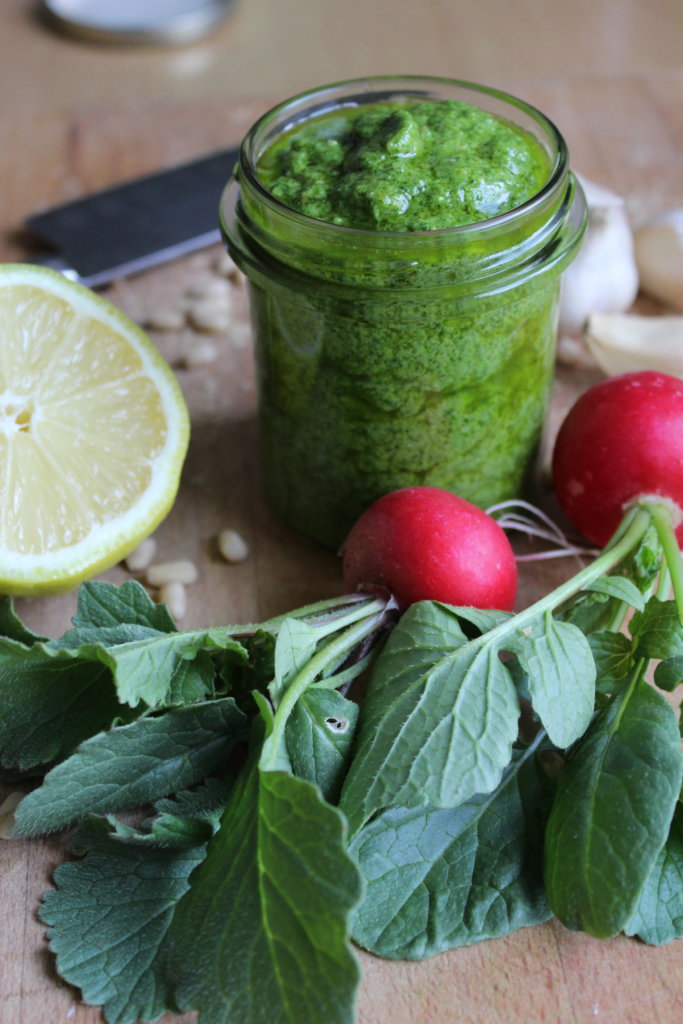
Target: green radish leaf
(274, 751)
(644, 566)
(319, 734)
(591, 611)
(146, 667)
(594, 608)
(183, 681)
(484, 619)
(438, 721)
(658, 630)
(620, 587)
(137, 640)
(192, 681)
(164, 830)
(262, 934)
(611, 814)
(105, 605)
(613, 655)
(108, 918)
(519, 678)
(49, 705)
(109, 615)
(658, 916)
(133, 765)
(104, 636)
(669, 674)
(207, 800)
(240, 677)
(440, 878)
(560, 676)
(295, 645)
(259, 667)
(12, 627)
(187, 818)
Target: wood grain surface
(82, 118)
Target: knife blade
(138, 224)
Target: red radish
(423, 543)
(621, 441)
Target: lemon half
(93, 432)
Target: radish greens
(251, 801)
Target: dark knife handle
(138, 224)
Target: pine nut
(202, 260)
(240, 336)
(142, 557)
(209, 315)
(182, 571)
(210, 287)
(199, 353)
(165, 319)
(232, 546)
(174, 596)
(226, 267)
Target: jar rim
(265, 236)
(248, 159)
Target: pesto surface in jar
(417, 167)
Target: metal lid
(137, 21)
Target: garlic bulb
(659, 255)
(603, 278)
(621, 343)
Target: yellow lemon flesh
(93, 432)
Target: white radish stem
(537, 525)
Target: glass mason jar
(387, 359)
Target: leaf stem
(344, 677)
(663, 524)
(329, 654)
(618, 618)
(627, 536)
(330, 608)
(358, 611)
(624, 694)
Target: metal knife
(138, 224)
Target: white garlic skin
(659, 255)
(626, 342)
(604, 277)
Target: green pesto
(372, 382)
(419, 167)
(355, 403)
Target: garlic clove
(597, 196)
(604, 277)
(659, 255)
(622, 343)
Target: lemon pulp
(93, 432)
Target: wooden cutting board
(625, 133)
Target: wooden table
(77, 117)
